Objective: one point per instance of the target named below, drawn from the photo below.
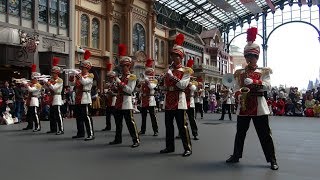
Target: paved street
(38, 156)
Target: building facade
(33, 32)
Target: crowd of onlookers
(282, 102)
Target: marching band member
(190, 90)
(226, 94)
(111, 96)
(175, 82)
(124, 106)
(83, 83)
(34, 89)
(199, 95)
(148, 102)
(251, 82)
(55, 85)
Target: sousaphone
(228, 80)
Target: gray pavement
(39, 156)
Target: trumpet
(72, 71)
(243, 97)
(43, 77)
(21, 80)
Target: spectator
(316, 109)
(19, 102)
(309, 103)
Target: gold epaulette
(154, 81)
(194, 83)
(38, 86)
(132, 77)
(237, 73)
(59, 80)
(266, 70)
(90, 75)
(188, 70)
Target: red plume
(190, 63)
(87, 54)
(149, 63)
(252, 34)
(109, 67)
(179, 39)
(34, 68)
(122, 50)
(55, 61)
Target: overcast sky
(293, 54)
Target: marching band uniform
(148, 102)
(55, 85)
(110, 97)
(124, 106)
(251, 82)
(190, 91)
(176, 81)
(226, 103)
(34, 90)
(83, 83)
(199, 95)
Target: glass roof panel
(202, 11)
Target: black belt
(124, 94)
(86, 91)
(256, 93)
(144, 95)
(173, 88)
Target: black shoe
(77, 137)
(106, 129)
(156, 134)
(115, 142)
(89, 138)
(274, 165)
(59, 133)
(187, 153)
(142, 132)
(36, 130)
(221, 119)
(232, 159)
(164, 151)
(178, 137)
(27, 128)
(201, 118)
(195, 138)
(50, 132)
(135, 144)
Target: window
(156, 50)
(139, 38)
(14, 7)
(84, 30)
(26, 9)
(162, 52)
(3, 5)
(95, 33)
(43, 11)
(63, 14)
(115, 38)
(53, 12)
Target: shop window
(95, 33)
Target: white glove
(170, 72)
(118, 80)
(248, 81)
(45, 80)
(146, 78)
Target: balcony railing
(206, 67)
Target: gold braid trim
(132, 77)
